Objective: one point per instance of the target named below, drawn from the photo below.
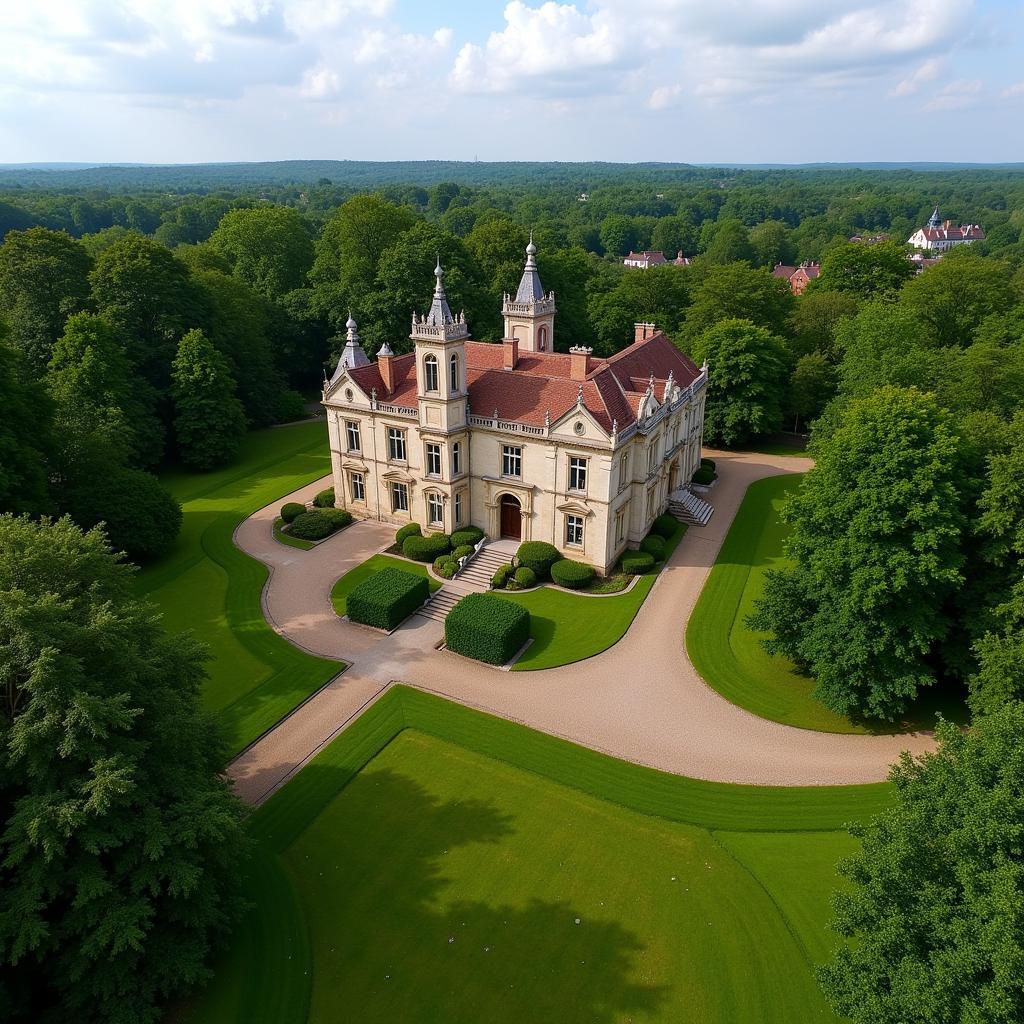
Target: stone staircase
(688, 508)
(474, 579)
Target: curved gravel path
(641, 700)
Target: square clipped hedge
(486, 628)
(387, 598)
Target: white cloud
(1013, 91)
(927, 72)
(664, 96)
(957, 95)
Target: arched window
(453, 372)
(542, 338)
(430, 373)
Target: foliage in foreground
(937, 908)
(120, 841)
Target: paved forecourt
(641, 700)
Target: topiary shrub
(486, 628)
(387, 598)
(290, 510)
(654, 545)
(463, 550)
(525, 577)
(665, 526)
(573, 575)
(325, 499)
(637, 562)
(318, 523)
(409, 530)
(538, 556)
(426, 549)
(501, 575)
(471, 535)
(704, 475)
(445, 566)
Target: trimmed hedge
(637, 562)
(665, 526)
(387, 598)
(426, 549)
(539, 556)
(708, 462)
(290, 510)
(573, 575)
(471, 535)
(462, 550)
(325, 499)
(445, 566)
(409, 530)
(522, 579)
(319, 523)
(654, 545)
(501, 575)
(486, 628)
(704, 475)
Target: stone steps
(688, 508)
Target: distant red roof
(951, 233)
(541, 384)
(648, 259)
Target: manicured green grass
(352, 579)
(431, 863)
(568, 627)
(285, 538)
(207, 585)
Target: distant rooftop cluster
(646, 259)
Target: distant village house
(798, 277)
(940, 235)
(644, 260)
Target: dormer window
(430, 376)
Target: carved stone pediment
(575, 508)
(398, 476)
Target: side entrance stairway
(474, 579)
(688, 508)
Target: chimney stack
(579, 362)
(385, 364)
(510, 353)
(642, 331)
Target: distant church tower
(935, 221)
(530, 315)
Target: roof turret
(352, 354)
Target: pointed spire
(384, 350)
(530, 289)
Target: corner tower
(530, 314)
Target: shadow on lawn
(393, 942)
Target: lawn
(730, 657)
(352, 579)
(207, 585)
(568, 627)
(438, 864)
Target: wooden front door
(511, 518)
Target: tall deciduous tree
(209, 421)
(875, 544)
(119, 857)
(44, 278)
(25, 441)
(736, 291)
(659, 295)
(747, 383)
(866, 271)
(936, 906)
(810, 388)
(772, 243)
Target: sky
(717, 81)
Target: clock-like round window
(579, 427)
(348, 395)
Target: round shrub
(654, 545)
(637, 562)
(325, 499)
(573, 575)
(501, 575)
(487, 628)
(665, 526)
(708, 462)
(387, 598)
(292, 509)
(525, 577)
(538, 556)
(471, 535)
(319, 523)
(463, 550)
(704, 475)
(445, 566)
(409, 530)
(426, 549)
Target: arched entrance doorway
(511, 518)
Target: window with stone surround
(578, 473)
(357, 486)
(430, 376)
(435, 509)
(458, 509)
(433, 459)
(511, 460)
(396, 444)
(456, 458)
(352, 436)
(399, 498)
(453, 373)
(574, 531)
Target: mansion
(940, 235)
(513, 437)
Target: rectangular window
(577, 473)
(574, 531)
(652, 455)
(458, 509)
(620, 525)
(623, 470)
(511, 460)
(456, 458)
(352, 433)
(435, 510)
(396, 444)
(399, 498)
(433, 459)
(357, 486)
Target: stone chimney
(579, 362)
(642, 331)
(385, 364)
(510, 353)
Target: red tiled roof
(783, 270)
(966, 232)
(541, 384)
